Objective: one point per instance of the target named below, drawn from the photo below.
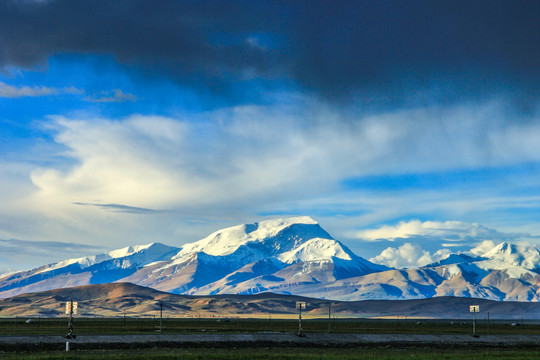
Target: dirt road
(8, 343)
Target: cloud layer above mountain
(257, 154)
(451, 232)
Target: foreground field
(131, 338)
(104, 326)
(284, 353)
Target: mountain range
(292, 256)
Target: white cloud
(133, 161)
(483, 247)
(237, 155)
(448, 234)
(443, 231)
(408, 256)
(251, 154)
(419, 243)
(9, 91)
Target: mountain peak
(526, 256)
(454, 259)
(507, 250)
(502, 248)
(129, 250)
(282, 234)
(316, 249)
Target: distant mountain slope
(290, 256)
(117, 299)
(97, 269)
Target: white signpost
(474, 309)
(300, 305)
(72, 307)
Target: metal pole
(70, 323)
(300, 332)
(474, 322)
(160, 316)
(329, 316)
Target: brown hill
(117, 299)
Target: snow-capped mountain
(505, 272)
(225, 254)
(239, 254)
(290, 256)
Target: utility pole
(474, 323)
(300, 330)
(300, 305)
(71, 308)
(70, 322)
(474, 309)
(329, 316)
(160, 316)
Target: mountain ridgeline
(289, 256)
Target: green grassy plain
(109, 326)
(103, 326)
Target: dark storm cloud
(368, 49)
(166, 38)
(388, 49)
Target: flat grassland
(141, 326)
(151, 326)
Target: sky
(407, 129)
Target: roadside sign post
(71, 308)
(474, 309)
(300, 305)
